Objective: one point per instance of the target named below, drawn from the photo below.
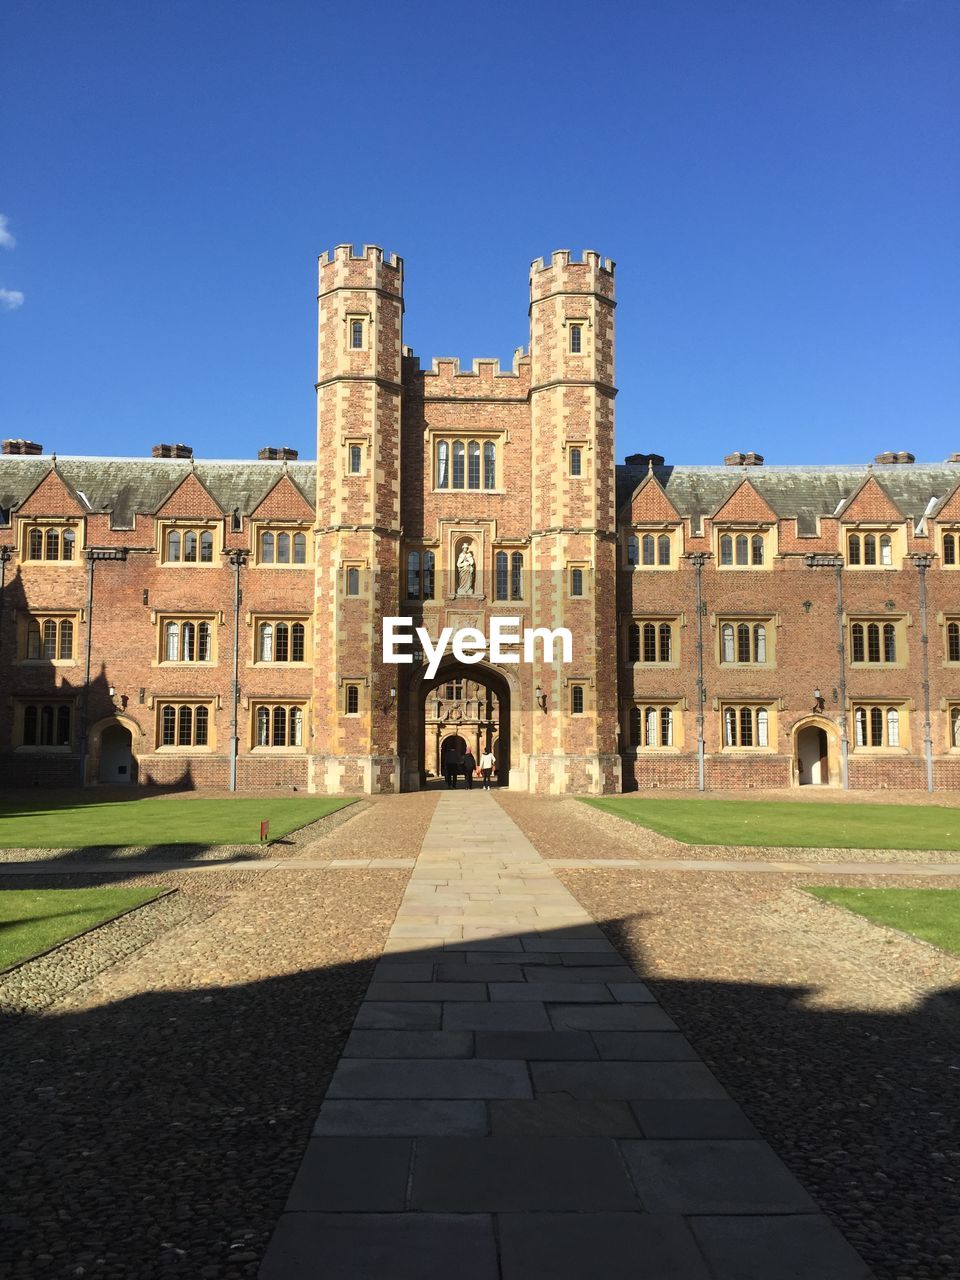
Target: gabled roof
(745, 503)
(650, 502)
(871, 501)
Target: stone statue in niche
(466, 570)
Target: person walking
(451, 767)
(468, 768)
(487, 764)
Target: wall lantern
(541, 698)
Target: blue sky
(777, 180)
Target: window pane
(283, 548)
(353, 582)
(727, 642)
(171, 643)
(206, 547)
(649, 642)
(203, 642)
(30, 726)
(267, 544)
(266, 641)
(666, 641)
(856, 642)
(746, 727)
(577, 699)
(190, 546)
(49, 638)
(633, 550)
(756, 548)
(184, 727)
(869, 549)
(53, 544)
(489, 465)
(63, 726)
(876, 727)
(762, 727)
(299, 548)
(429, 575)
(648, 548)
(635, 726)
(953, 642)
(202, 721)
(413, 575)
(443, 463)
(726, 549)
(666, 727)
(355, 459)
(36, 544)
(873, 642)
(168, 726)
(516, 576)
(576, 339)
(854, 549)
(188, 638)
(263, 727)
(356, 334)
(893, 727)
(297, 648)
(650, 727)
(69, 543)
(955, 721)
(66, 639)
(742, 544)
(743, 642)
(663, 548)
(279, 726)
(353, 699)
(173, 545)
(886, 549)
(729, 727)
(576, 582)
(282, 645)
(860, 726)
(633, 643)
(576, 462)
(473, 469)
(500, 576)
(760, 631)
(458, 464)
(889, 642)
(296, 726)
(949, 549)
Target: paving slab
(402, 1015)
(644, 1046)
(799, 1247)
(692, 1118)
(713, 1177)
(626, 1079)
(353, 1174)
(611, 1017)
(429, 1078)
(614, 1246)
(502, 1016)
(411, 1044)
(532, 1046)
(401, 1117)
(564, 1117)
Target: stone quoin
(177, 621)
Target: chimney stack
(278, 453)
(21, 448)
(743, 460)
(171, 451)
(644, 460)
(889, 458)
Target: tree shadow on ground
(158, 1136)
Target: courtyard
(552, 985)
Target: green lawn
(792, 826)
(32, 920)
(41, 821)
(931, 914)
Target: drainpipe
(5, 554)
(93, 555)
(237, 558)
(698, 559)
(836, 563)
(922, 563)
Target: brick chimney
(21, 448)
(171, 451)
(278, 453)
(644, 460)
(954, 457)
(888, 458)
(743, 460)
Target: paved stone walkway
(513, 1103)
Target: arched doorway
(816, 762)
(116, 755)
(422, 761)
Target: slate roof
(803, 493)
(129, 485)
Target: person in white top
(487, 764)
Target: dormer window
(58, 542)
(950, 549)
(277, 546)
(742, 550)
(874, 549)
(187, 546)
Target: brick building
(178, 621)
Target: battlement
(592, 273)
(446, 377)
(345, 267)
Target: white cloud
(6, 239)
(10, 299)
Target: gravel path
(838, 1037)
(152, 1120)
(571, 829)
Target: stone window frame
(365, 320)
(878, 531)
(346, 568)
(755, 706)
(197, 527)
(422, 571)
(770, 624)
(885, 705)
(481, 436)
(637, 533)
(952, 710)
(585, 568)
(40, 704)
(289, 707)
(952, 532)
(162, 619)
(656, 620)
(178, 703)
(584, 323)
(637, 723)
(898, 621)
(45, 526)
(950, 623)
(350, 685)
(28, 619)
(515, 571)
(581, 445)
(260, 618)
(293, 529)
(767, 533)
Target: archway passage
(464, 707)
(813, 767)
(116, 755)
